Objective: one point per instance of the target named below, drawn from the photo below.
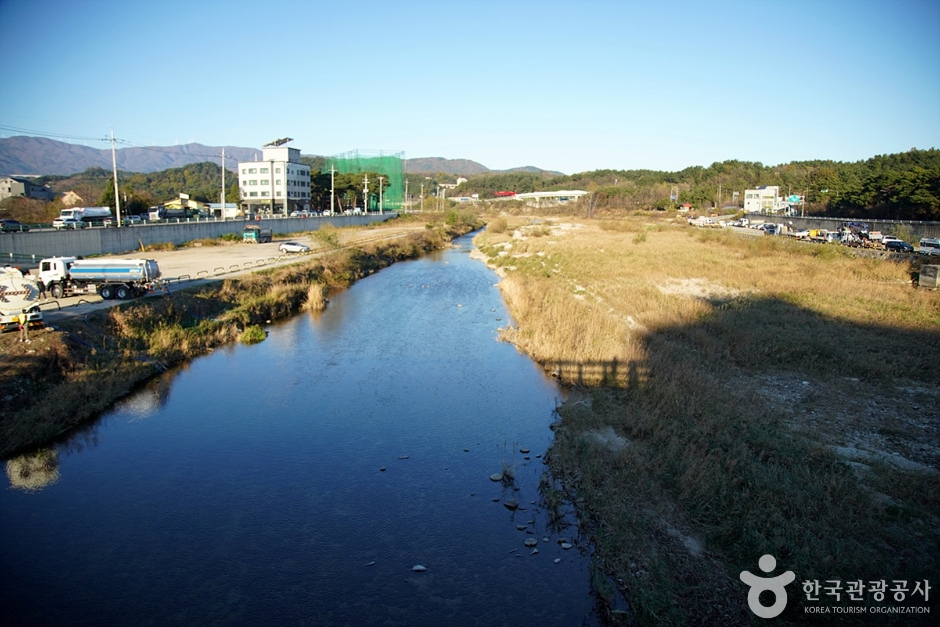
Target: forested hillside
(899, 186)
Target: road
(193, 265)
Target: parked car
(293, 247)
(132, 220)
(899, 246)
(12, 226)
(68, 223)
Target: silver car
(293, 247)
(68, 223)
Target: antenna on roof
(278, 142)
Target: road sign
(794, 199)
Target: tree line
(902, 186)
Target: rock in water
(565, 546)
(496, 477)
(511, 504)
(419, 568)
(531, 542)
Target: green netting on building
(386, 164)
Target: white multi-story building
(764, 199)
(278, 183)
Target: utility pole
(365, 196)
(271, 174)
(404, 201)
(222, 210)
(332, 187)
(381, 180)
(117, 198)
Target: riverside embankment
(732, 398)
(75, 369)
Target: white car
(132, 220)
(293, 247)
(68, 223)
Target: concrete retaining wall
(19, 247)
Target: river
(301, 480)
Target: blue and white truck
(109, 278)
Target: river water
(300, 480)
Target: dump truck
(256, 234)
(109, 278)
(18, 293)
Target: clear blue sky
(562, 85)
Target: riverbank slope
(732, 397)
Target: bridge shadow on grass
(761, 428)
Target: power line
(51, 135)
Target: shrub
(498, 225)
(327, 235)
(253, 335)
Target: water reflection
(34, 471)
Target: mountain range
(28, 156)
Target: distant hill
(38, 156)
(432, 165)
(41, 156)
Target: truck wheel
(123, 293)
(106, 292)
(57, 290)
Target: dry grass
(739, 371)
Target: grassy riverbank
(733, 396)
(68, 374)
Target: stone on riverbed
(511, 504)
(496, 477)
(531, 542)
(419, 568)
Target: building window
(264, 194)
(255, 182)
(277, 182)
(277, 170)
(264, 181)
(253, 194)
(264, 170)
(252, 171)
